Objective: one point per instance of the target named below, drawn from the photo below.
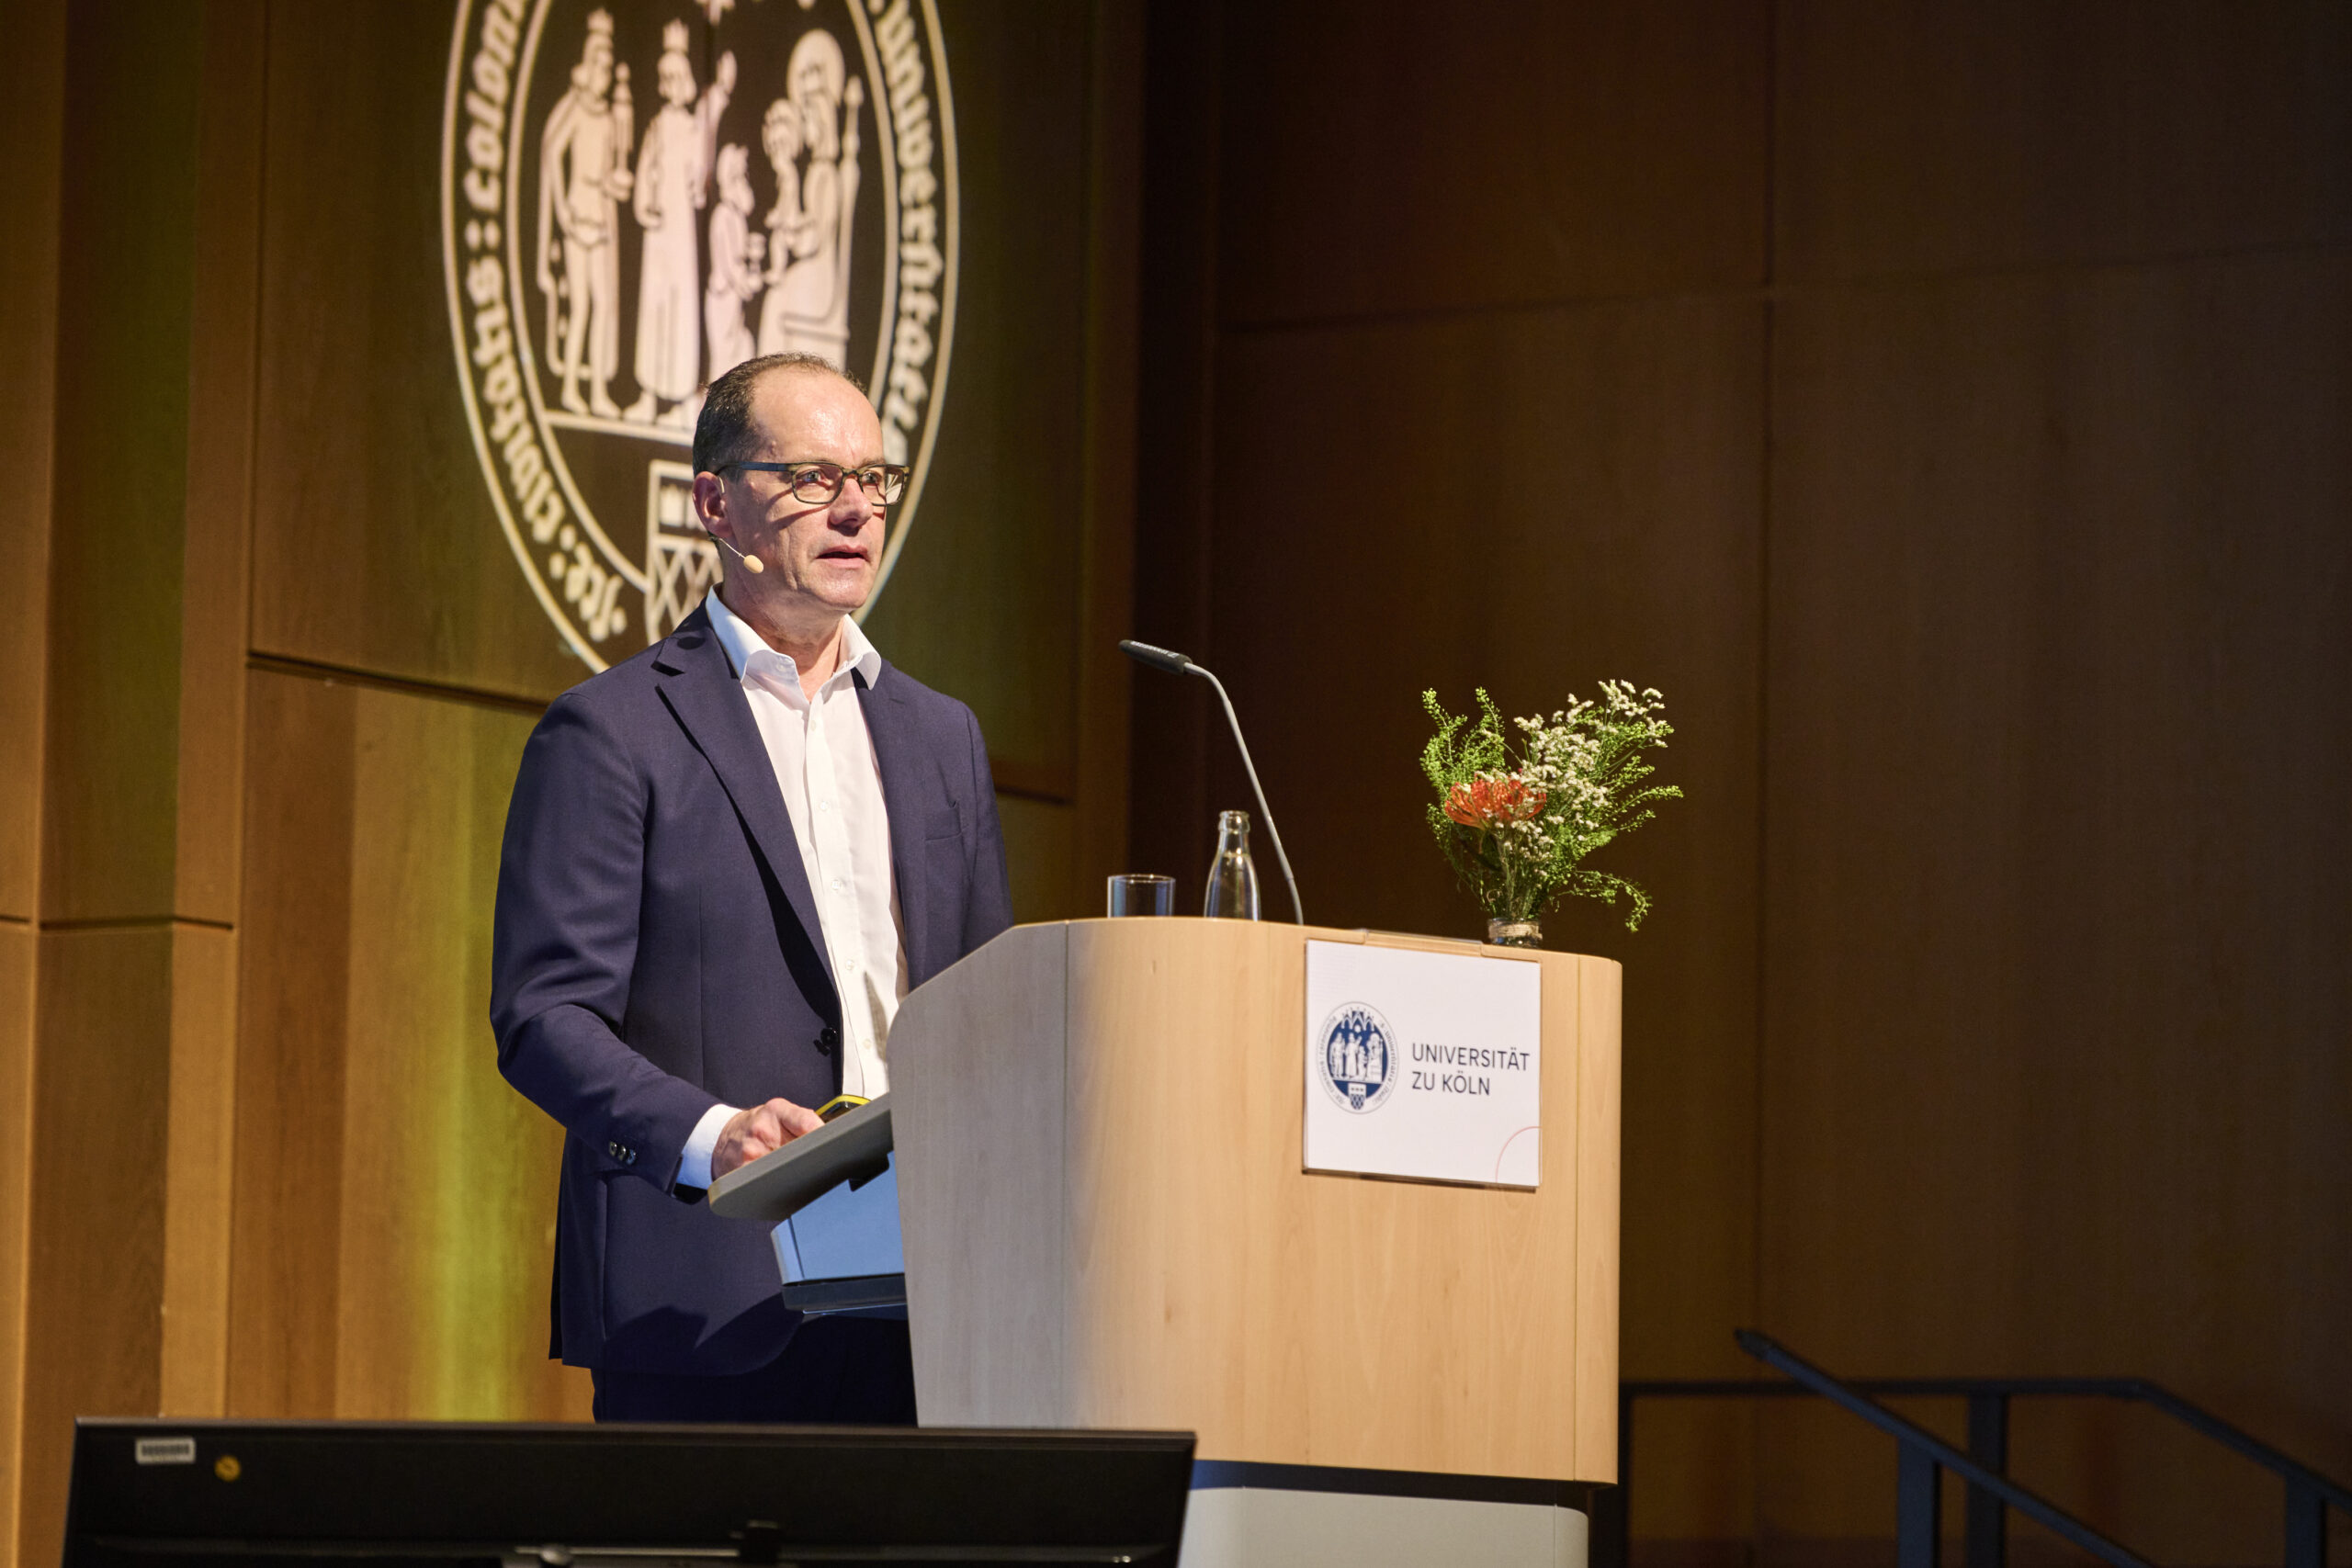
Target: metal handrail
(1917, 1441)
(1923, 1455)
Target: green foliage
(1515, 825)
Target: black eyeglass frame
(885, 474)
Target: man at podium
(726, 863)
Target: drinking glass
(1141, 893)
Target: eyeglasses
(819, 483)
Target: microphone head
(750, 563)
(1159, 657)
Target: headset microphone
(750, 563)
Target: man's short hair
(723, 432)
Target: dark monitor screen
(156, 1493)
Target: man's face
(825, 554)
(600, 67)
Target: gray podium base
(1282, 1516)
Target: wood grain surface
(1945, 408)
(1379, 165)
(19, 949)
(200, 1174)
(1012, 1249)
(2054, 1016)
(32, 92)
(1108, 1222)
(395, 1200)
(32, 95)
(96, 1256)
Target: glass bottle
(1233, 876)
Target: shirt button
(839, 885)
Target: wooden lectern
(1107, 1223)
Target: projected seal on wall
(636, 198)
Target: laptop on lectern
(833, 1198)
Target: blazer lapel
(700, 685)
(906, 782)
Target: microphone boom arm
(1177, 663)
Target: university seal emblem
(1356, 1060)
(637, 198)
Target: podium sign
(1425, 1066)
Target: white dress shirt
(832, 783)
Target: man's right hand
(761, 1130)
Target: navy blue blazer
(657, 953)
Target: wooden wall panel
(2012, 687)
(199, 1172)
(1041, 850)
(1388, 157)
(18, 958)
(93, 1324)
(1533, 501)
(1175, 478)
(222, 460)
(32, 101)
(985, 603)
(294, 940)
(2061, 729)
(110, 809)
(32, 114)
(396, 1198)
(374, 544)
(449, 1175)
(1931, 138)
(1114, 202)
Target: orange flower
(1485, 802)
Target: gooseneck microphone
(750, 563)
(1177, 664)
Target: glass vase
(1515, 933)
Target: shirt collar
(735, 635)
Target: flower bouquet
(1516, 828)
